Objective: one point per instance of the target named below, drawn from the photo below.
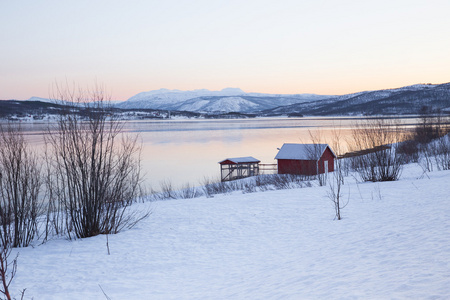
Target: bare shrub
(7, 270)
(432, 125)
(377, 142)
(409, 151)
(335, 192)
(336, 180)
(286, 181)
(255, 183)
(425, 131)
(151, 196)
(20, 187)
(167, 191)
(430, 134)
(282, 181)
(261, 183)
(211, 187)
(188, 192)
(314, 153)
(425, 160)
(236, 185)
(94, 169)
(439, 150)
(249, 187)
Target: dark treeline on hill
(401, 101)
(15, 110)
(10, 108)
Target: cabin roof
(302, 151)
(241, 160)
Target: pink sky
(289, 47)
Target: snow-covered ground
(393, 243)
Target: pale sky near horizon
(283, 47)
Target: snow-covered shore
(393, 243)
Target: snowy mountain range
(404, 100)
(40, 99)
(226, 100)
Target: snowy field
(393, 243)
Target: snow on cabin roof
(241, 160)
(302, 151)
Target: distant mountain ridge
(404, 100)
(226, 100)
(41, 99)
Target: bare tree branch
(94, 168)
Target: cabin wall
(306, 167)
(327, 156)
(297, 167)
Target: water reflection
(185, 151)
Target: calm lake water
(187, 151)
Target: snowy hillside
(226, 100)
(166, 97)
(220, 104)
(404, 100)
(41, 99)
(393, 243)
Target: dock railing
(268, 168)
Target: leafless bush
(262, 184)
(425, 158)
(167, 191)
(430, 136)
(211, 187)
(425, 131)
(409, 151)
(441, 152)
(335, 192)
(20, 187)
(188, 192)
(432, 125)
(255, 183)
(377, 141)
(249, 187)
(94, 169)
(435, 155)
(286, 181)
(7, 270)
(315, 152)
(336, 180)
(150, 196)
(208, 186)
(282, 181)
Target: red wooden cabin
(305, 159)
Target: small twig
(107, 244)
(424, 173)
(104, 292)
(359, 190)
